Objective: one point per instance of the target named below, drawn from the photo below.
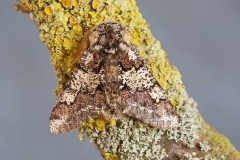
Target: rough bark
(63, 24)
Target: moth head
(110, 37)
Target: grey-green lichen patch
(210, 157)
(194, 156)
(131, 140)
(204, 146)
(223, 157)
(190, 156)
(187, 129)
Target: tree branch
(62, 24)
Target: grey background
(202, 39)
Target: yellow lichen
(110, 156)
(84, 2)
(43, 15)
(90, 123)
(68, 44)
(76, 32)
(136, 41)
(87, 16)
(87, 8)
(95, 3)
(75, 3)
(40, 4)
(222, 145)
(112, 122)
(100, 8)
(48, 10)
(33, 7)
(72, 21)
(99, 123)
(66, 3)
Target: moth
(111, 80)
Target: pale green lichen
(63, 25)
(134, 139)
(190, 156)
(188, 127)
(130, 139)
(223, 157)
(210, 157)
(204, 146)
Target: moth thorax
(109, 37)
(118, 47)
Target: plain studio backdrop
(202, 39)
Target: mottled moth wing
(111, 79)
(80, 99)
(142, 95)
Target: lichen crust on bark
(63, 26)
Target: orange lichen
(43, 15)
(48, 10)
(72, 21)
(66, 3)
(75, 3)
(95, 3)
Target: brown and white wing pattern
(143, 97)
(111, 79)
(80, 99)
